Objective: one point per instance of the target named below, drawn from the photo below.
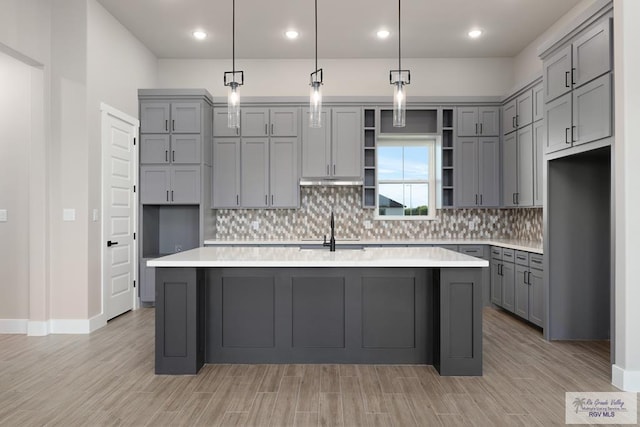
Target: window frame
(432, 144)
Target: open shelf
(369, 187)
(448, 135)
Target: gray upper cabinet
(185, 184)
(316, 147)
(558, 121)
(478, 121)
(346, 142)
(155, 184)
(592, 111)
(175, 148)
(255, 121)
(154, 117)
(220, 123)
(280, 121)
(154, 149)
(557, 74)
(518, 112)
(538, 102)
(510, 169)
(477, 172)
(185, 149)
(185, 117)
(254, 180)
(284, 173)
(284, 122)
(592, 53)
(226, 173)
(518, 168)
(509, 114)
(168, 185)
(538, 160)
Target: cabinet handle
(480, 128)
(476, 199)
(572, 76)
(513, 198)
(166, 125)
(173, 155)
(173, 125)
(167, 195)
(172, 195)
(237, 199)
(334, 169)
(566, 79)
(266, 199)
(517, 198)
(517, 119)
(513, 122)
(566, 136)
(271, 128)
(574, 130)
(481, 199)
(237, 131)
(524, 277)
(528, 278)
(476, 128)
(272, 199)
(327, 169)
(500, 270)
(266, 131)
(166, 156)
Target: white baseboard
(13, 326)
(38, 328)
(625, 379)
(62, 326)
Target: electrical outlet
(472, 225)
(255, 225)
(94, 215)
(68, 214)
(3, 215)
(367, 224)
(178, 248)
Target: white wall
(15, 134)
(527, 65)
(343, 77)
(626, 370)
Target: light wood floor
(107, 378)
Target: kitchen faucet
(332, 240)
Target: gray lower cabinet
(508, 273)
(521, 305)
(481, 251)
(496, 282)
(517, 170)
(536, 301)
(169, 184)
(477, 172)
(226, 173)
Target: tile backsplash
(311, 220)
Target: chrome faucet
(332, 240)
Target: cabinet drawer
(508, 255)
(522, 258)
(536, 261)
(496, 252)
(472, 250)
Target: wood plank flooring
(107, 378)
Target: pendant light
(315, 98)
(398, 79)
(233, 80)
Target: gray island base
(363, 311)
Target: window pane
(391, 200)
(416, 199)
(390, 163)
(416, 163)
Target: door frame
(106, 111)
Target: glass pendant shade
(399, 104)
(315, 105)
(233, 106)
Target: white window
(406, 178)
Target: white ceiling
(346, 28)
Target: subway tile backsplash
(312, 221)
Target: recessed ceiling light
(474, 34)
(291, 34)
(382, 34)
(199, 35)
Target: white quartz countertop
(520, 245)
(266, 256)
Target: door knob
(110, 243)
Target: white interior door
(119, 175)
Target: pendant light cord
(316, 19)
(399, 44)
(233, 40)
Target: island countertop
(225, 256)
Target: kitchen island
(418, 305)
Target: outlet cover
(472, 225)
(3, 215)
(68, 214)
(94, 215)
(255, 225)
(367, 224)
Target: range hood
(329, 183)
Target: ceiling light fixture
(315, 98)
(383, 34)
(233, 79)
(199, 35)
(291, 34)
(474, 34)
(399, 78)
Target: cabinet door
(496, 282)
(155, 184)
(489, 121)
(185, 149)
(508, 286)
(538, 159)
(220, 124)
(466, 170)
(154, 149)
(525, 109)
(154, 117)
(592, 53)
(592, 111)
(558, 122)
(521, 292)
(284, 122)
(254, 179)
(316, 147)
(346, 142)
(467, 121)
(255, 122)
(147, 282)
(488, 171)
(536, 303)
(226, 173)
(538, 103)
(557, 74)
(284, 177)
(185, 184)
(524, 196)
(509, 113)
(510, 169)
(185, 117)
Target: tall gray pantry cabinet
(175, 175)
